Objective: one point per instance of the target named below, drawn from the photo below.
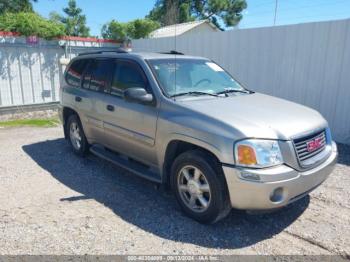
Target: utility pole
(274, 20)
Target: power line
(283, 10)
(274, 20)
(289, 13)
(292, 21)
(324, 15)
(334, 15)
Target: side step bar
(125, 163)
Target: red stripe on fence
(5, 33)
(89, 39)
(71, 38)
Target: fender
(185, 138)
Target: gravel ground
(53, 202)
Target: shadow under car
(138, 202)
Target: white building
(190, 28)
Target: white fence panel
(5, 94)
(306, 63)
(31, 74)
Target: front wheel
(77, 137)
(199, 186)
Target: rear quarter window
(75, 71)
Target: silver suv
(185, 122)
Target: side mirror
(138, 94)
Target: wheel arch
(180, 144)
(66, 113)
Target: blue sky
(259, 12)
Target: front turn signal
(246, 155)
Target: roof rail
(172, 52)
(118, 51)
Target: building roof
(179, 29)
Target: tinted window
(98, 75)
(75, 71)
(126, 75)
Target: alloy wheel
(75, 136)
(194, 188)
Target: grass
(46, 122)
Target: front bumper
(283, 186)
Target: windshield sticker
(215, 67)
(172, 67)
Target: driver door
(129, 127)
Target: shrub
(30, 24)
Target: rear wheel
(199, 186)
(77, 137)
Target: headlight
(258, 153)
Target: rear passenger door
(74, 96)
(95, 85)
(130, 128)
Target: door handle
(78, 99)
(110, 108)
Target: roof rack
(172, 52)
(118, 51)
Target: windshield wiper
(194, 93)
(233, 91)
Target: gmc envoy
(184, 122)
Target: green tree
(74, 21)
(136, 29)
(15, 6)
(30, 23)
(141, 28)
(114, 30)
(168, 12)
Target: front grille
(301, 147)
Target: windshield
(192, 75)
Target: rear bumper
(290, 186)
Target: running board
(123, 162)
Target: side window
(98, 75)
(75, 71)
(88, 74)
(127, 74)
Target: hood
(259, 116)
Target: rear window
(75, 71)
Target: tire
(75, 131)
(210, 205)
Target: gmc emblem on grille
(314, 144)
